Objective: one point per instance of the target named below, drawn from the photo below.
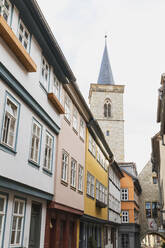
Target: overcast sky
(136, 44)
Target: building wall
(70, 141)
(127, 183)
(115, 123)
(93, 167)
(162, 175)
(149, 193)
(26, 230)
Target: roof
(105, 75)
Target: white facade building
(32, 70)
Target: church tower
(106, 104)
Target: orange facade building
(130, 191)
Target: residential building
(32, 71)
(149, 216)
(114, 205)
(158, 153)
(94, 224)
(109, 97)
(129, 230)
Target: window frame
(73, 173)
(75, 119)
(17, 104)
(107, 108)
(31, 160)
(67, 107)
(125, 214)
(17, 215)
(45, 70)
(22, 34)
(124, 195)
(56, 90)
(2, 4)
(82, 129)
(3, 213)
(47, 133)
(90, 185)
(80, 177)
(66, 166)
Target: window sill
(43, 88)
(15, 45)
(80, 192)
(92, 154)
(73, 188)
(76, 132)
(91, 197)
(56, 103)
(66, 120)
(64, 183)
(7, 149)
(33, 164)
(48, 172)
(100, 204)
(82, 139)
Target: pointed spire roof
(105, 75)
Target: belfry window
(107, 108)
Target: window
(17, 222)
(48, 151)
(73, 173)
(148, 209)
(154, 210)
(124, 194)
(80, 178)
(90, 185)
(92, 145)
(67, 106)
(45, 73)
(107, 108)
(155, 180)
(24, 35)
(3, 200)
(101, 192)
(10, 122)
(125, 240)
(56, 87)
(107, 133)
(5, 10)
(65, 163)
(35, 142)
(82, 129)
(75, 119)
(125, 217)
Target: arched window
(107, 108)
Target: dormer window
(5, 9)
(24, 35)
(107, 108)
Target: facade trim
(65, 208)
(13, 185)
(12, 82)
(89, 218)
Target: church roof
(105, 75)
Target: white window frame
(9, 132)
(101, 192)
(17, 217)
(48, 155)
(124, 194)
(80, 178)
(67, 107)
(75, 119)
(73, 173)
(56, 87)
(65, 166)
(82, 128)
(125, 217)
(5, 10)
(22, 36)
(45, 73)
(2, 216)
(90, 185)
(92, 145)
(36, 141)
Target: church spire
(105, 75)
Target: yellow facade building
(95, 189)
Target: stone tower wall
(115, 123)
